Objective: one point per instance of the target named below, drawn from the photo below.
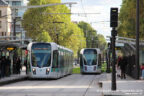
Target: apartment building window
(16, 3)
(0, 24)
(3, 34)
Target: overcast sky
(99, 21)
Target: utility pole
(137, 39)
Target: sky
(101, 17)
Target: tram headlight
(34, 71)
(47, 70)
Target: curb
(13, 80)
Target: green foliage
(101, 42)
(127, 18)
(44, 27)
(89, 33)
(93, 40)
(104, 67)
(76, 70)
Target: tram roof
(61, 46)
(54, 44)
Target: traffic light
(114, 17)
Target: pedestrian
(118, 70)
(3, 65)
(25, 63)
(142, 68)
(8, 63)
(122, 64)
(18, 65)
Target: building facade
(5, 19)
(17, 14)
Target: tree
(93, 40)
(102, 42)
(58, 28)
(89, 33)
(127, 19)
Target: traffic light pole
(113, 24)
(113, 59)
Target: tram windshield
(41, 55)
(90, 57)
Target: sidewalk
(13, 78)
(125, 87)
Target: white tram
(90, 60)
(48, 60)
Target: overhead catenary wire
(84, 11)
(70, 13)
(39, 6)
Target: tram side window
(55, 59)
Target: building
(5, 19)
(17, 14)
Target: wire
(84, 11)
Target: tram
(90, 60)
(48, 60)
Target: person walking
(122, 63)
(3, 65)
(8, 63)
(18, 65)
(117, 66)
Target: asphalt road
(72, 85)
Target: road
(72, 85)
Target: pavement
(124, 87)
(14, 77)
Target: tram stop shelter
(9, 47)
(128, 48)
